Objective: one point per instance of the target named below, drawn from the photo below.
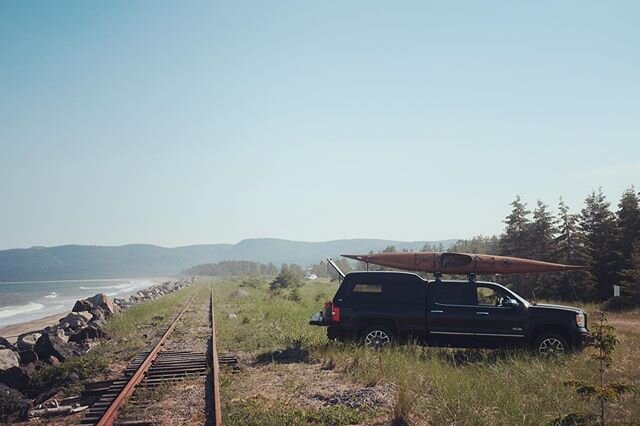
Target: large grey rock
(50, 344)
(5, 344)
(90, 332)
(82, 306)
(28, 357)
(98, 314)
(14, 407)
(16, 378)
(75, 320)
(103, 301)
(8, 359)
(59, 331)
(27, 341)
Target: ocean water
(26, 301)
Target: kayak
(462, 263)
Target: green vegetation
(607, 241)
(603, 341)
(252, 413)
(289, 360)
(230, 268)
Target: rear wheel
(551, 345)
(377, 337)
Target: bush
(618, 304)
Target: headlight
(580, 320)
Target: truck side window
(367, 288)
(455, 293)
(488, 296)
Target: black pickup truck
(378, 308)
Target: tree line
(606, 240)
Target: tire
(548, 345)
(377, 337)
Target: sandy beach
(11, 332)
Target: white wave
(9, 311)
(51, 295)
(106, 287)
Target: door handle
(437, 312)
(482, 313)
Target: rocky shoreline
(75, 335)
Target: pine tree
(515, 239)
(598, 224)
(628, 222)
(570, 248)
(542, 232)
(631, 277)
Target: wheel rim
(551, 347)
(377, 339)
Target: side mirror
(510, 303)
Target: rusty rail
(215, 370)
(111, 414)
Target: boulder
(98, 323)
(82, 306)
(8, 359)
(13, 405)
(27, 357)
(52, 345)
(16, 378)
(75, 320)
(103, 301)
(27, 341)
(97, 314)
(5, 344)
(60, 332)
(90, 332)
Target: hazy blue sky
(191, 122)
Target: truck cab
(378, 308)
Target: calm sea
(27, 301)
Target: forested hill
(144, 260)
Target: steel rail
(215, 370)
(111, 414)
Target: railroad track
(159, 367)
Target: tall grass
(432, 385)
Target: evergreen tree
(631, 277)
(570, 248)
(598, 224)
(541, 234)
(628, 221)
(515, 240)
(287, 278)
(479, 244)
(541, 240)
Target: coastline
(12, 331)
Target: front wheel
(377, 337)
(551, 345)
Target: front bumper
(580, 340)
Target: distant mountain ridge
(70, 262)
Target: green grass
(252, 413)
(432, 385)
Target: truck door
(498, 322)
(451, 311)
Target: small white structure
(616, 291)
(311, 277)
